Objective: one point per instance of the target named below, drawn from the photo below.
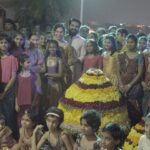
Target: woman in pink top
(92, 59)
(27, 87)
(9, 68)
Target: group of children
(33, 136)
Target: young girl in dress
(130, 66)
(112, 137)
(110, 59)
(6, 139)
(9, 66)
(35, 56)
(28, 125)
(53, 74)
(56, 137)
(88, 140)
(27, 87)
(144, 142)
(92, 59)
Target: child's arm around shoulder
(42, 140)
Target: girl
(9, 66)
(28, 122)
(27, 86)
(42, 44)
(92, 59)
(130, 71)
(35, 56)
(144, 142)
(6, 139)
(94, 36)
(18, 45)
(142, 44)
(53, 73)
(110, 59)
(88, 140)
(57, 139)
(112, 137)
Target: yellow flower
(72, 115)
(139, 127)
(134, 137)
(91, 95)
(128, 146)
(98, 80)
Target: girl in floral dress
(130, 71)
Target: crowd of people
(37, 68)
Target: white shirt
(79, 45)
(144, 143)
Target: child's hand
(2, 132)
(38, 127)
(17, 108)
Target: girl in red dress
(9, 66)
(27, 86)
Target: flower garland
(132, 140)
(93, 105)
(90, 95)
(117, 115)
(93, 86)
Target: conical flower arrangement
(93, 91)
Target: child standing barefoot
(144, 142)
(88, 140)
(112, 137)
(57, 139)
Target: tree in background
(44, 12)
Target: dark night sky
(114, 11)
